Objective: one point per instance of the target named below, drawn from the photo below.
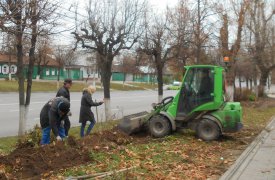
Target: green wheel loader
(199, 105)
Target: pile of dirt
(110, 139)
(27, 161)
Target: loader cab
(197, 89)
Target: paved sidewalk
(257, 162)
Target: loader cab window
(198, 89)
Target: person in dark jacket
(52, 117)
(64, 91)
(86, 113)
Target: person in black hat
(64, 91)
(52, 117)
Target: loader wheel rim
(208, 130)
(158, 126)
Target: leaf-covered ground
(179, 156)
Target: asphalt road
(122, 103)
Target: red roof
(4, 58)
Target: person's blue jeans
(90, 127)
(46, 138)
(46, 134)
(62, 132)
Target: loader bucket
(133, 123)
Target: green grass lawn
(174, 156)
(12, 86)
(145, 85)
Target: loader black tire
(208, 130)
(159, 126)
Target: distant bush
(32, 138)
(244, 94)
(167, 80)
(173, 88)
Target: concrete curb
(235, 171)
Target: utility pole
(254, 61)
(199, 33)
(272, 58)
(9, 47)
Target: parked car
(174, 86)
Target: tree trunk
(160, 82)
(106, 78)
(58, 77)
(240, 84)
(230, 77)
(30, 69)
(31, 65)
(38, 71)
(20, 76)
(198, 52)
(263, 79)
(124, 79)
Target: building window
(5, 69)
(47, 72)
(53, 72)
(13, 69)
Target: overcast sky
(69, 22)
(163, 3)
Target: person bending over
(52, 117)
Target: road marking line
(9, 104)
(18, 103)
(15, 110)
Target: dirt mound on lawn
(106, 140)
(27, 161)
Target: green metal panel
(47, 73)
(229, 116)
(144, 78)
(117, 76)
(51, 73)
(74, 74)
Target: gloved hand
(58, 138)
